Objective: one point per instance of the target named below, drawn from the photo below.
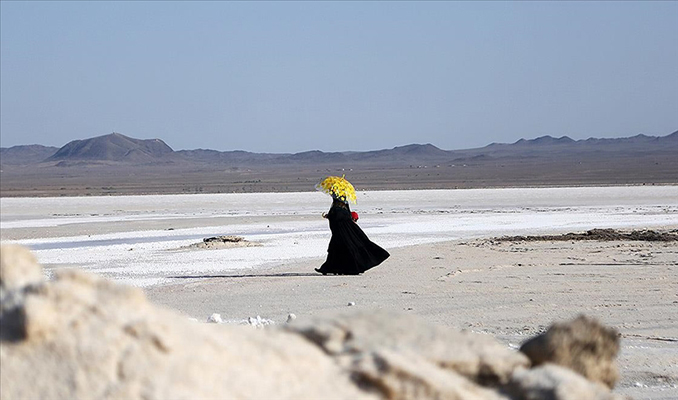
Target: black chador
(350, 251)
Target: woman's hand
(324, 215)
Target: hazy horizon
(287, 77)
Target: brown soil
(600, 235)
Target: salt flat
(442, 267)
(139, 239)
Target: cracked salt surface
(290, 227)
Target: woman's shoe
(318, 270)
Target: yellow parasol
(338, 187)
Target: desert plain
(448, 263)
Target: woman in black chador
(350, 251)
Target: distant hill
(224, 157)
(113, 147)
(24, 155)
(545, 141)
(565, 146)
(412, 153)
(639, 142)
(409, 153)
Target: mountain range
(116, 148)
(118, 164)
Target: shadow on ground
(280, 275)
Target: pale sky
(336, 76)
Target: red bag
(354, 215)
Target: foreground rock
(84, 337)
(583, 345)
(400, 354)
(550, 381)
(80, 336)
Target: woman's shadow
(280, 275)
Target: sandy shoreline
(511, 290)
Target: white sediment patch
(256, 322)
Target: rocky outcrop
(80, 336)
(583, 345)
(222, 242)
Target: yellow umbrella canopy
(338, 187)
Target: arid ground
(511, 290)
(446, 263)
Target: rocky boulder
(551, 381)
(583, 345)
(398, 354)
(85, 337)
